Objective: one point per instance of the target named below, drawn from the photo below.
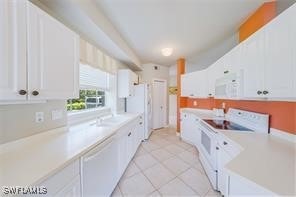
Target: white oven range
(235, 120)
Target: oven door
(208, 147)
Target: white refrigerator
(141, 102)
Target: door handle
(35, 93)
(259, 92)
(22, 92)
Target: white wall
(18, 121)
(173, 98)
(149, 73)
(205, 59)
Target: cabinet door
(53, 57)
(202, 85)
(222, 160)
(185, 126)
(71, 190)
(233, 63)
(186, 85)
(13, 50)
(122, 153)
(253, 65)
(279, 54)
(188, 128)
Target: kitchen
(101, 98)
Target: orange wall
(282, 114)
(261, 16)
(181, 101)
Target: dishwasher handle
(97, 150)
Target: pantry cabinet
(39, 55)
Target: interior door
(159, 104)
(53, 57)
(13, 50)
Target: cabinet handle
(191, 95)
(265, 92)
(210, 94)
(129, 134)
(225, 143)
(259, 92)
(22, 92)
(141, 123)
(217, 148)
(226, 71)
(35, 93)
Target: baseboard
(283, 135)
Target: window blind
(93, 78)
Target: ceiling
(188, 26)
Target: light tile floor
(165, 165)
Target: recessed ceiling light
(167, 51)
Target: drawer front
(229, 146)
(62, 178)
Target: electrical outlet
(194, 103)
(39, 117)
(223, 105)
(56, 114)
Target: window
(93, 86)
(88, 99)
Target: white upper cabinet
(268, 59)
(53, 57)
(253, 65)
(39, 56)
(194, 84)
(279, 54)
(126, 79)
(13, 84)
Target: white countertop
(31, 160)
(265, 160)
(202, 113)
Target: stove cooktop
(226, 125)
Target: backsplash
(18, 121)
(282, 114)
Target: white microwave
(229, 86)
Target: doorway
(159, 103)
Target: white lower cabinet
(222, 160)
(242, 187)
(66, 182)
(227, 150)
(189, 129)
(72, 189)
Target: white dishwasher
(99, 169)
